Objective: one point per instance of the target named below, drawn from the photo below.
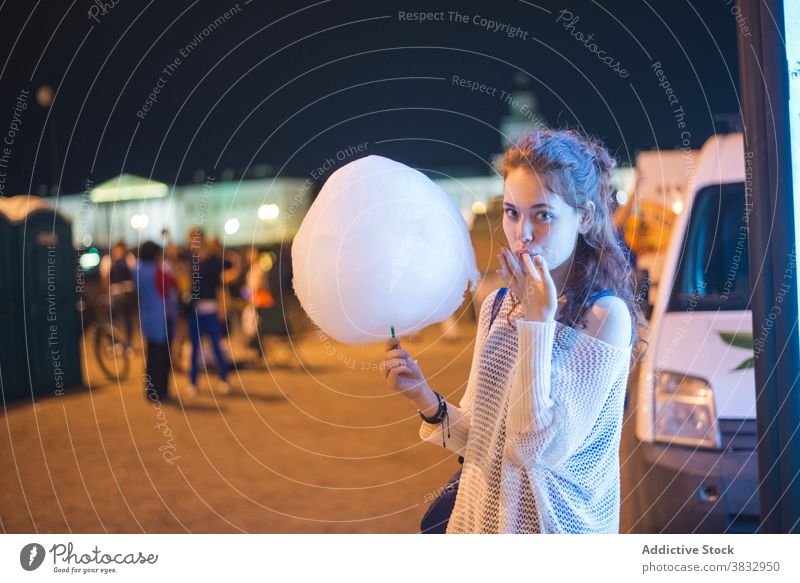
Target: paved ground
(325, 449)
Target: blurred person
(208, 271)
(232, 278)
(230, 258)
(157, 313)
(180, 261)
(116, 271)
(257, 282)
(256, 291)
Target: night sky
(292, 84)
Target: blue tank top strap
(601, 294)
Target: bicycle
(110, 347)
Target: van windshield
(714, 271)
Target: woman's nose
(525, 232)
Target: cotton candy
(382, 245)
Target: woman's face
(538, 221)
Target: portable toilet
(39, 268)
(10, 380)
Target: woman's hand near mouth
(530, 280)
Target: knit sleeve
(556, 396)
(461, 417)
(458, 430)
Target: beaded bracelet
(440, 415)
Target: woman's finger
(531, 269)
(508, 273)
(396, 372)
(391, 363)
(396, 353)
(543, 269)
(503, 271)
(392, 343)
(517, 266)
(512, 262)
(391, 374)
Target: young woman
(539, 425)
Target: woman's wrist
(538, 316)
(426, 401)
(534, 312)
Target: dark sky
(291, 84)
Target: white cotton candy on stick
(382, 245)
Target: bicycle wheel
(111, 352)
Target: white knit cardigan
(539, 428)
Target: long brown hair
(579, 169)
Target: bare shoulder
(609, 320)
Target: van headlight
(684, 410)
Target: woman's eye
(545, 216)
(511, 213)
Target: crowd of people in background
(184, 295)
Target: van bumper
(678, 489)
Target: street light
(140, 221)
(478, 208)
(232, 226)
(268, 212)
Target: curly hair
(579, 169)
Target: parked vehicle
(690, 461)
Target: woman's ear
(585, 216)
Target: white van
(689, 459)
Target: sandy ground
(321, 449)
